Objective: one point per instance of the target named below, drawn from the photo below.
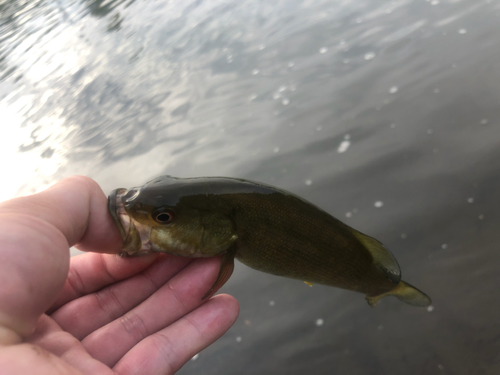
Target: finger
(168, 350)
(78, 208)
(173, 300)
(91, 272)
(36, 234)
(112, 302)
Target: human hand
(96, 313)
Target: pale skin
(96, 313)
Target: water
(383, 113)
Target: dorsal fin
(382, 258)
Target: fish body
(264, 227)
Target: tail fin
(406, 293)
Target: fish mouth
(135, 236)
(117, 211)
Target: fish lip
(135, 235)
(114, 204)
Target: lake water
(385, 114)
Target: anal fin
(382, 258)
(225, 272)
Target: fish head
(165, 215)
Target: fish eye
(164, 217)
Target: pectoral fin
(225, 271)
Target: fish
(266, 228)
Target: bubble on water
(319, 322)
(348, 214)
(454, 65)
(195, 357)
(378, 204)
(393, 126)
(430, 131)
(319, 128)
(484, 121)
(481, 217)
(444, 246)
(430, 308)
(403, 235)
(380, 327)
(434, 2)
(252, 97)
(291, 64)
(262, 46)
(369, 55)
(282, 88)
(323, 50)
(470, 200)
(344, 145)
(276, 149)
(462, 31)
(346, 61)
(394, 89)
(436, 91)
(272, 303)
(255, 71)
(285, 101)
(238, 339)
(342, 42)
(308, 182)
(247, 322)
(229, 59)
(276, 95)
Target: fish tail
(404, 292)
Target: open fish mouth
(135, 235)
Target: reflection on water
(384, 114)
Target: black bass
(266, 228)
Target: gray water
(385, 114)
